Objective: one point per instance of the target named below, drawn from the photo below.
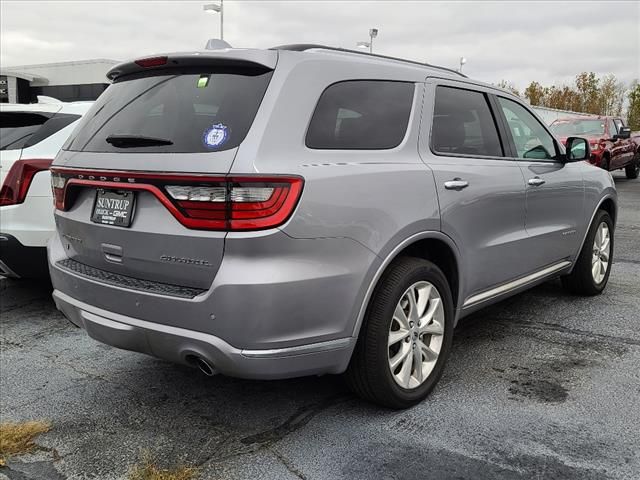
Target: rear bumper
(31, 223)
(278, 307)
(18, 260)
(178, 345)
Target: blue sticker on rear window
(215, 136)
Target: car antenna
(216, 44)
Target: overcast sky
(517, 41)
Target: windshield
(565, 128)
(187, 112)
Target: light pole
(215, 8)
(462, 62)
(373, 33)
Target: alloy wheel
(601, 253)
(416, 334)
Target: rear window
(25, 129)
(177, 113)
(361, 115)
(16, 128)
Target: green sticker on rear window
(203, 81)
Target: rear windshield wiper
(129, 141)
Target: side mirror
(625, 132)
(577, 149)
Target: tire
(633, 169)
(370, 372)
(583, 280)
(604, 164)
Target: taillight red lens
(241, 203)
(198, 201)
(252, 211)
(16, 184)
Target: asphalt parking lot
(544, 385)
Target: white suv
(30, 137)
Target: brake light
(151, 62)
(18, 180)
(197, 201)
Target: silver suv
(307, 210)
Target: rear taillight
(58, 184)
(16, 184)
(248, 203)
(197, 201)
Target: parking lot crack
(626, 260)
(573, 331)
(227, 447)
(39, 470)
(6, 343)
(287, 463)
(96, 376)
(296, 421)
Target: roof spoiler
(220, 57)
(43, 99)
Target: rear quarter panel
(375, 197)
(378, 198)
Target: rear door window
(361, 115)
(463, 124)
(177, 113)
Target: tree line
(588, 94)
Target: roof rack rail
(301, 47)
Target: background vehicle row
(30, 137)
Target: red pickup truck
(613, 145)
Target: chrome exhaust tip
(203, 365)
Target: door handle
(536, 182)
(456, 184)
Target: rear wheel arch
(608, 206)
(432, 246)
(443, 256)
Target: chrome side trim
(300, 349)
(515, 284)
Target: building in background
(66, 81)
